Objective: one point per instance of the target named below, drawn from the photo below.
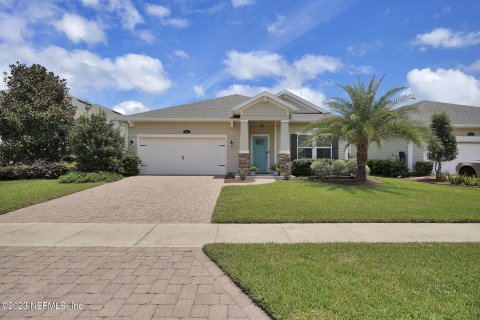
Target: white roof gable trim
(301, 100)
(264, 96)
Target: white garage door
(195, 155)
(466, 152)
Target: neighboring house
(226, 134)
(466, 123)
(119, 120)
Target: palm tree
(362, 119)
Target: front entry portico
(263, 117)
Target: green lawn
(357, 281)
(17, 194)
(396, 200)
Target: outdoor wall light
(261, 127)
(231, 143)
(131, 141)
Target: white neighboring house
(116, 117)
(466, 123)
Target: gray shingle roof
(82, 105)
(218, 108)
(459, 114)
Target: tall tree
(36, 115)
(96, 143)
(442, 145)
(363, 119)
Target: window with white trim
(317, 151)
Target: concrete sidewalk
(196, 235)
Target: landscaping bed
(356, 281)
(394, 200)
(18, 194)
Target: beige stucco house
(226, 134)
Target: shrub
(230, 175)
(351, 167)
(339, 168)
(97, 144)
(388, 168)
(243, 173)
(37, 170)
(301, 167)
(84, 177)
(459, 180)
(131, 164)
(322, 167)
(423, 168)
(254, 168)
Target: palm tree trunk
(362, 158)
(439, 171)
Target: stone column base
(284, 162)
(244, 162)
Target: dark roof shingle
(459, 114)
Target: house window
(318, 151)
(471, 134)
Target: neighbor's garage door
(466, 152)
(182, 155)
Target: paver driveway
(140, 199)
(120, 283)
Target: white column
(410, 156)
(243, 136)
(284, 137)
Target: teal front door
(260, 152)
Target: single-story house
(466, 123)
(82, 106)
(226, 134)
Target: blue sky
(133, 56)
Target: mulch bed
(346, 181)
(248, 180)
(428, 179)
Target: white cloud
(12, 28)
(199, 91)
(181, 54)
(176, 22)
(130, 107)
(443, 85)
(474, 67)
(91, 3)
(241, 3)
(446, 38)
(290, 76)
(157, 10)
(147, 36)
(163, 13)
(313, 65)
(365, 69)
(129, 15)
(254, 64)
(278, 26)
(363, 48)
(86, 70)
(79, 29)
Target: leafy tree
(97, 144)
(362, 119)
(36, 115)
(442, 145)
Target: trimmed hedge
(130, 164)
(36, 170)
(423, 168)
(335, 168)
(301, 167)
(388, 168)
(84, 177)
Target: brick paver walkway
(138, 283)
(140, 199)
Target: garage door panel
(466, 152)
(182, 155)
